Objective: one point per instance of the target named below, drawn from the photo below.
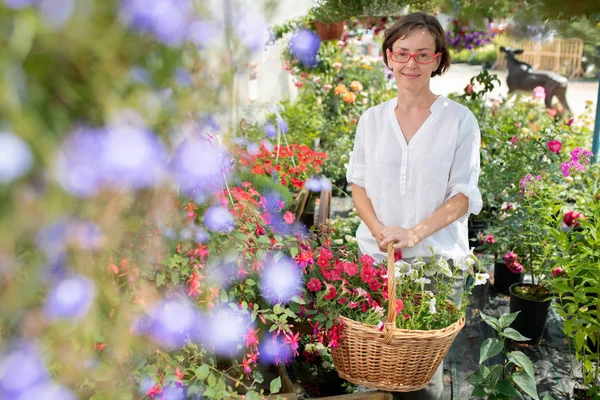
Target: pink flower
(380, 326)
(374, 285)
(367, 261)
(554, 146)
(557, 271)
(289, 218)
(513, 140)
(314, 285)
(565, 167)
(399, 306)
(510, 258)
(552, 112)
(490, 239)
(327, 86)
(570, 121)
(469, 89)
(571, 218)
(251, 337)
(397, 255)
(539, 93)
(351, 269)
(353, 304)
(331, 292)
(368, 274)
(515, 268)
(518, 125)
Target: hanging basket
(397, 360)
(329, 31)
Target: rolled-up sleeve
(465, 169)
(356, 167)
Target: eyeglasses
(422, 57)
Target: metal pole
(596, 142)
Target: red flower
(515, 268)
(490, 239)
(469, 89)
(251, 337)
(179, 374)
(314, 285)
(154, 390)
(374, 285)
(557, 271)
(398, 255)
(304, 258)
(510, 258)
(367, 261)
(289, 218)
(399, 306)
(368, 274)
(194, 285)
(364, 307)
(322, 261)
(571, 218)
(552, 112)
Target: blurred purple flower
(86, 234)
(132, 158)
(70, 298)
(280, 281)
(222, 274)
(183, 77)
(218, 219)
(15, 157)
(201, 236)
(273, 350)
(174, 392)
(204, 33)
(47, 391)
(226, 331)
(304, 45)
(283, 126)
(16, 4)
(172, 322)
(252, 30)
(165, 19)
(51, 239)
(316, 184)
(253, 149)
(21, 368)
(273, 202)
(78, 168)
(270, 130)
(56, 12)
(140, 75)
(196, 167)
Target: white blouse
(409, 182)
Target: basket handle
(390, 324)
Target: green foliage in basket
(501, 381)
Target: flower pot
(329, 31)
(531, 320)
(475, 228)
(504, 278)
(581, 394)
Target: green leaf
(275, 385)
(520, 359)
(252, 395)
(491, 347)
(202, 372)
(212, 380)
(514, 335)
(250, 282)
(160, 280)
(547, 397)
(479, 392)
(491, 321)
(507, 319)
(258, 376)
(294, 307)
(298, 299)
(294, 252)
(505, 387)
(272, 328)
(526, 383)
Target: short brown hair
(409, 23)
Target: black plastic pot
(475, 228)
(504, 278)
(581, 394)
(531, 320)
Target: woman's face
(411, 75)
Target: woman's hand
(376, 232)
(402, 238)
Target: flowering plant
(337, 284)
(467, 37)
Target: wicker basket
(397, 360)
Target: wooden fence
(562, 56)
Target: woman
(415, 165)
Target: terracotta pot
(329, 31)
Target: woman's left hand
(402, 238)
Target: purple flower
(218, 219)
(86, 234)
(140, 75)
(565, 167)
(78, 169)
(316, 184)
(183, 77)
(132, 158)
(201, 236)
(283, 126)
(304, 45)
(165, 19)
(270, 130)
(21, 367)
(52, 239)
(197, 167)
(226, 331)
(204, 33)
(280, 281)
(47, 391)
(16, 4)
(173, 322)
(56, 12)
(274, 350)
(252, 30)
(174, 392)
(70, 298)
(15, 157)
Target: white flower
(432, 302)
(481, 279)
(444, 267)
(412, 274)
(422, 281)
(428, 293)
(338, 241)
(418, 262)
(402, 268)
(379, 310)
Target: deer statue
(522, 76)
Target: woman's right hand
(376, 232)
